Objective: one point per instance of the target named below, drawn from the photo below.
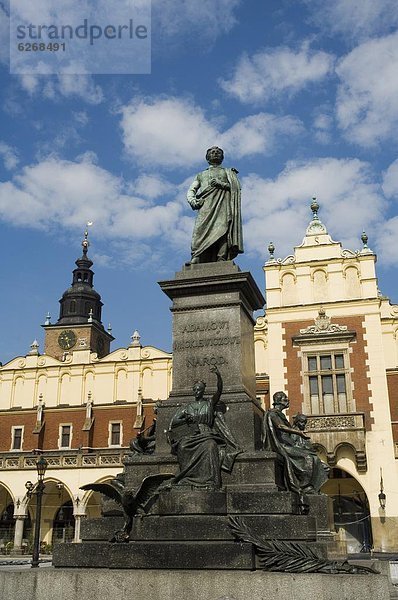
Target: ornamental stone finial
(314, 208)
(136, 339)
(364, 239)
(34, 348)
(85, 242)
(316, 227)
(271, 250)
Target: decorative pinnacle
(85, 242)
(136, 339)
(364, 239)
(48, 319)
(90, 316)
(34, 348)
(271, 250)
(314, 208)
(109, 328)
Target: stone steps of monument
(260, 499)
(233, 499)
(216, 527)
(163, 555)
(251, 468)
(201, 527)
(256, 468)
(156, 555)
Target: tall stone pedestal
(213, 306)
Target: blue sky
(302, 96)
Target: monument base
(79, 584)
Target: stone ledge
(80, 584)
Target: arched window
(320, 286)
(289, 295)
(351, 510)
(7, 524)
(64, 524)
(353, 284)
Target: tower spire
(79, 327)
(81, 301)
(85, 242)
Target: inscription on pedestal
(213, 304)
(204, 343)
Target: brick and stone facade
(323, 301)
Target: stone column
(78, 521)
(18, 533)
(77, 538)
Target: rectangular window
(327, 378)
(65, 436)
(16, 438)
(115, 434)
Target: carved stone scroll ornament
(339, 422)
(291, 557)
(323, 324)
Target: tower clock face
(67, 339)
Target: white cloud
(201, 21)
(259, 134)
(151, 186)
(276, 71)
(173, 132)
(355, 19)
(81, 117)
(149, 218)
(367, 108)
(278, 209)
(387, 235)
(390, 181)
(170, 132)
(54, 86)
(9, 156)
(4, 35)
(29, 83)
(59, 194)
(322, 125)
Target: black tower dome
(81, 302)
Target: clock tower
(79, 326)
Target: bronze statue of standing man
(215, 194)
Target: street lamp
(382, 497)
(41, 467)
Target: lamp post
(41, 467)
(382, 497)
